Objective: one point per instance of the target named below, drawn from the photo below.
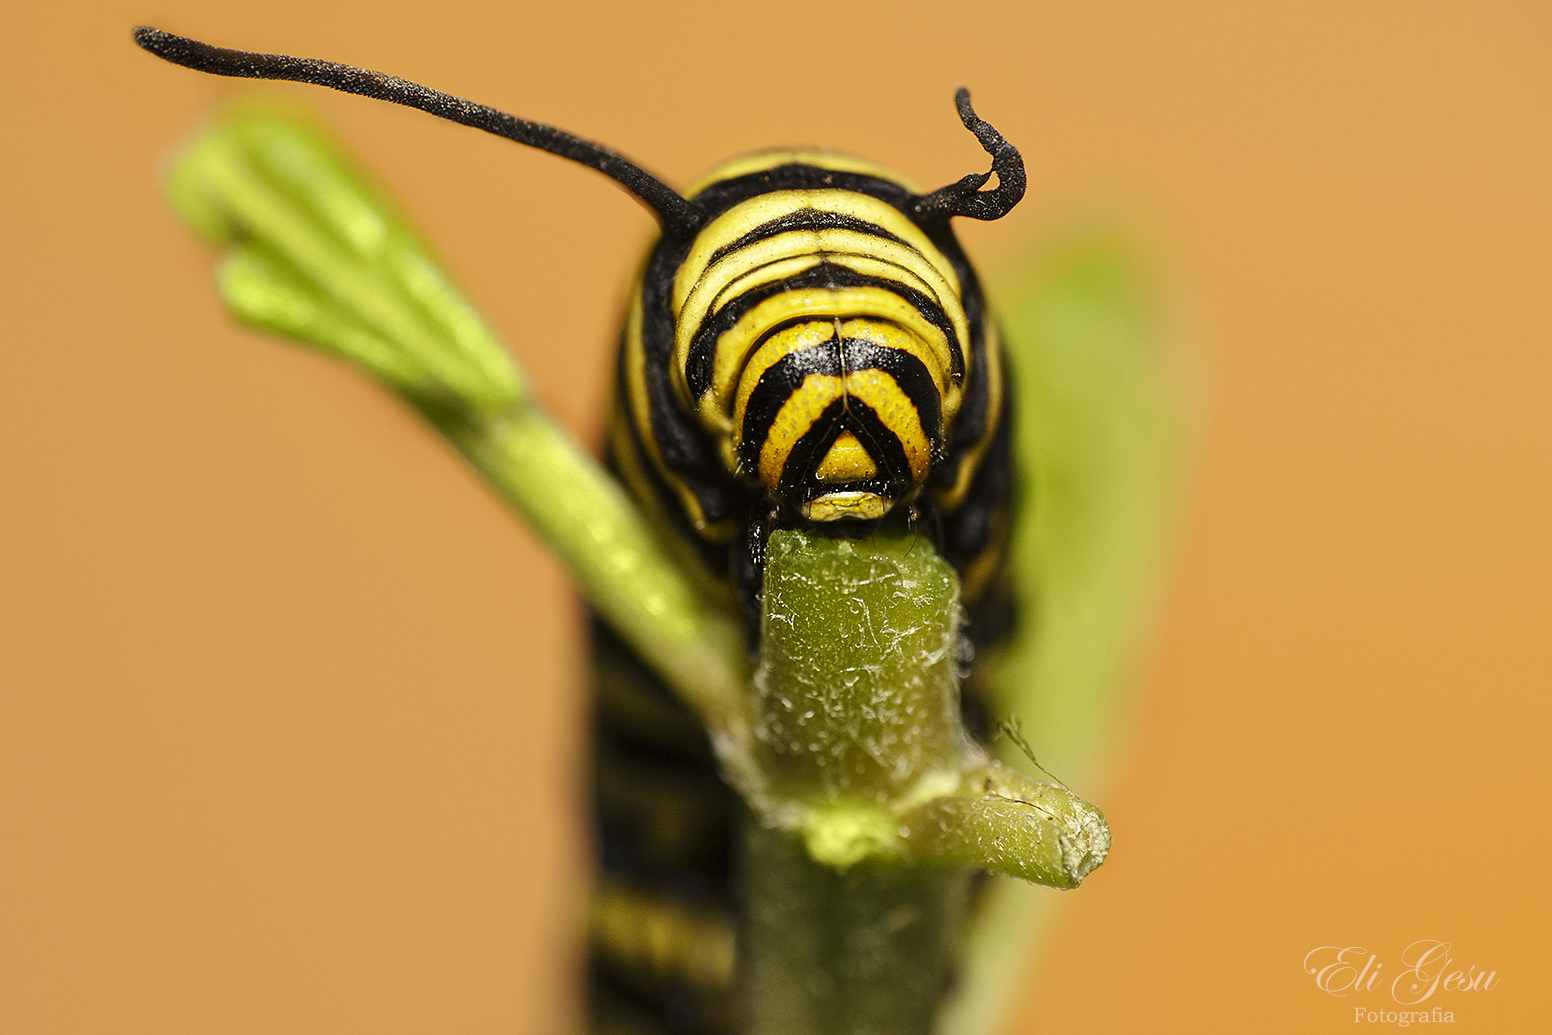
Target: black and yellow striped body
(663, 911)
(812, 356)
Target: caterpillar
(817, 351)
(805, 345)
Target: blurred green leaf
(316, 255)
(312, 253)
(1098, 436)
(1099, 423)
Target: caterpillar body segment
(813, 355)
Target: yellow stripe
(864, 264)
(717, 282)
(895, 409)
(982, 569)
(922, 339)
(872, 266)
(760, 161)
(949, 499)
(748, 216)
(628, 461)
(833, 243)
(781, 269)
(640, 409)
(667, 940)
(635, 374)
(890, 337)
(793, 420)
(783, 343)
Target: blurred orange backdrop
(289, 704)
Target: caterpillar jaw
(835, 506)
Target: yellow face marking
(833, 506)
(875, 388)
(792, 422)
(895, 410)
(846, 461)
(817, 333)
(893, 337)
(760, 161)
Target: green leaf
(1097, 439)
(312, 253)
(1099, 428)
(293, 214)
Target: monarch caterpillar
(816, 350)
(806, 344)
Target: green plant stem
(879, 804)
(864, 952)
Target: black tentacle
(966, 198)
(680, 218)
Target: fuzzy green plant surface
(869, 802)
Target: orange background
(289, 705)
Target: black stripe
(685, 447)
(882, 444)
(976, 406)
(785, 377)
(804, 219)
(670, 834)
(659, 822)
(700, 363)
(910, 374)
(797, 480)
(724, 194)
(622, 1001)
(774, 389)
(714, 555)
(967, 531)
